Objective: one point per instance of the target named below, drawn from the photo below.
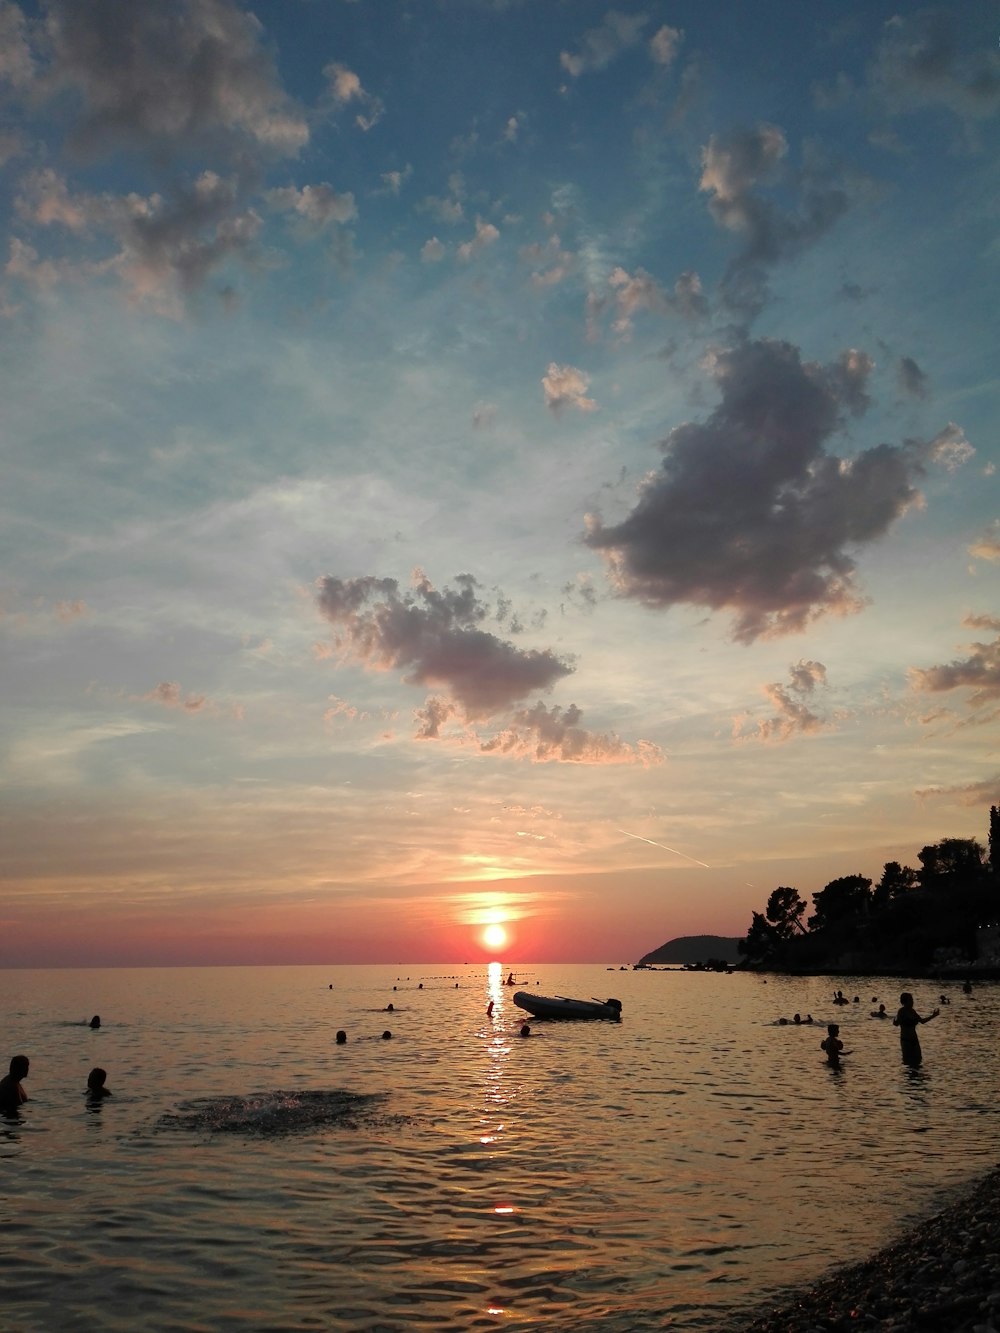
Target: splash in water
(270, 1113)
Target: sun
(494, 936)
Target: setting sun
(494, 936)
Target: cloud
(547, 735)
(978, 673)
(432, 251)
(168, 693)
(344, 83)
(486, 235)
(565, 386)
(920, 63)
(971, 794)
(734, 167)
(551, 263)
(393, 181)
(639, 291)
(793, 717)
(912, 379)
(987, 547)
(950, 448)
(664, 43)
(600, 46)
(436, 638)
(167, 246)
(345, 87)
(163, 75)
(320, 206)
(17, 64)
(748, 512)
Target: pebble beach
(943, 1276)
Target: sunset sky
(524, 462)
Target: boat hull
(556, 1006)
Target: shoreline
(941, 1273)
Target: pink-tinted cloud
(162, 247)
(554, 734)
(792, 716)
(639, 291)
(664, 44)
(168, 693)
(987, 547)
(565, 386)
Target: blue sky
(464, 462)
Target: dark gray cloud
(167, 244)
(436, 638)
(748, 512)
(912, 379)
(168, 73)
(978, 673)
(735, 169)
(926, 59)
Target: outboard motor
(616, 1005)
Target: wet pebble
(942, 1275)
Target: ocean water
(669, 1171)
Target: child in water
(95, 1085)
(11, 1093)
(832, 1044)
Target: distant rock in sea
(694, 949)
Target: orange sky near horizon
(607, 918)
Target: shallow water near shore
(665, 1171)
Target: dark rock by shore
(941, 1277)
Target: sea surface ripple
(663, 1172)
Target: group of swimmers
(13, 1095)
(907, 1020)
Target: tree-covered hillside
(910, 921)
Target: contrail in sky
(639, 838)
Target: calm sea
(664, 1172)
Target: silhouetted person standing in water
(832, 1044)
(12, 1095)
(908, 1020)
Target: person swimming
(879, 1012)
(12, 1095)
(341, 1036)
(95, 1022)
(96, 1080)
